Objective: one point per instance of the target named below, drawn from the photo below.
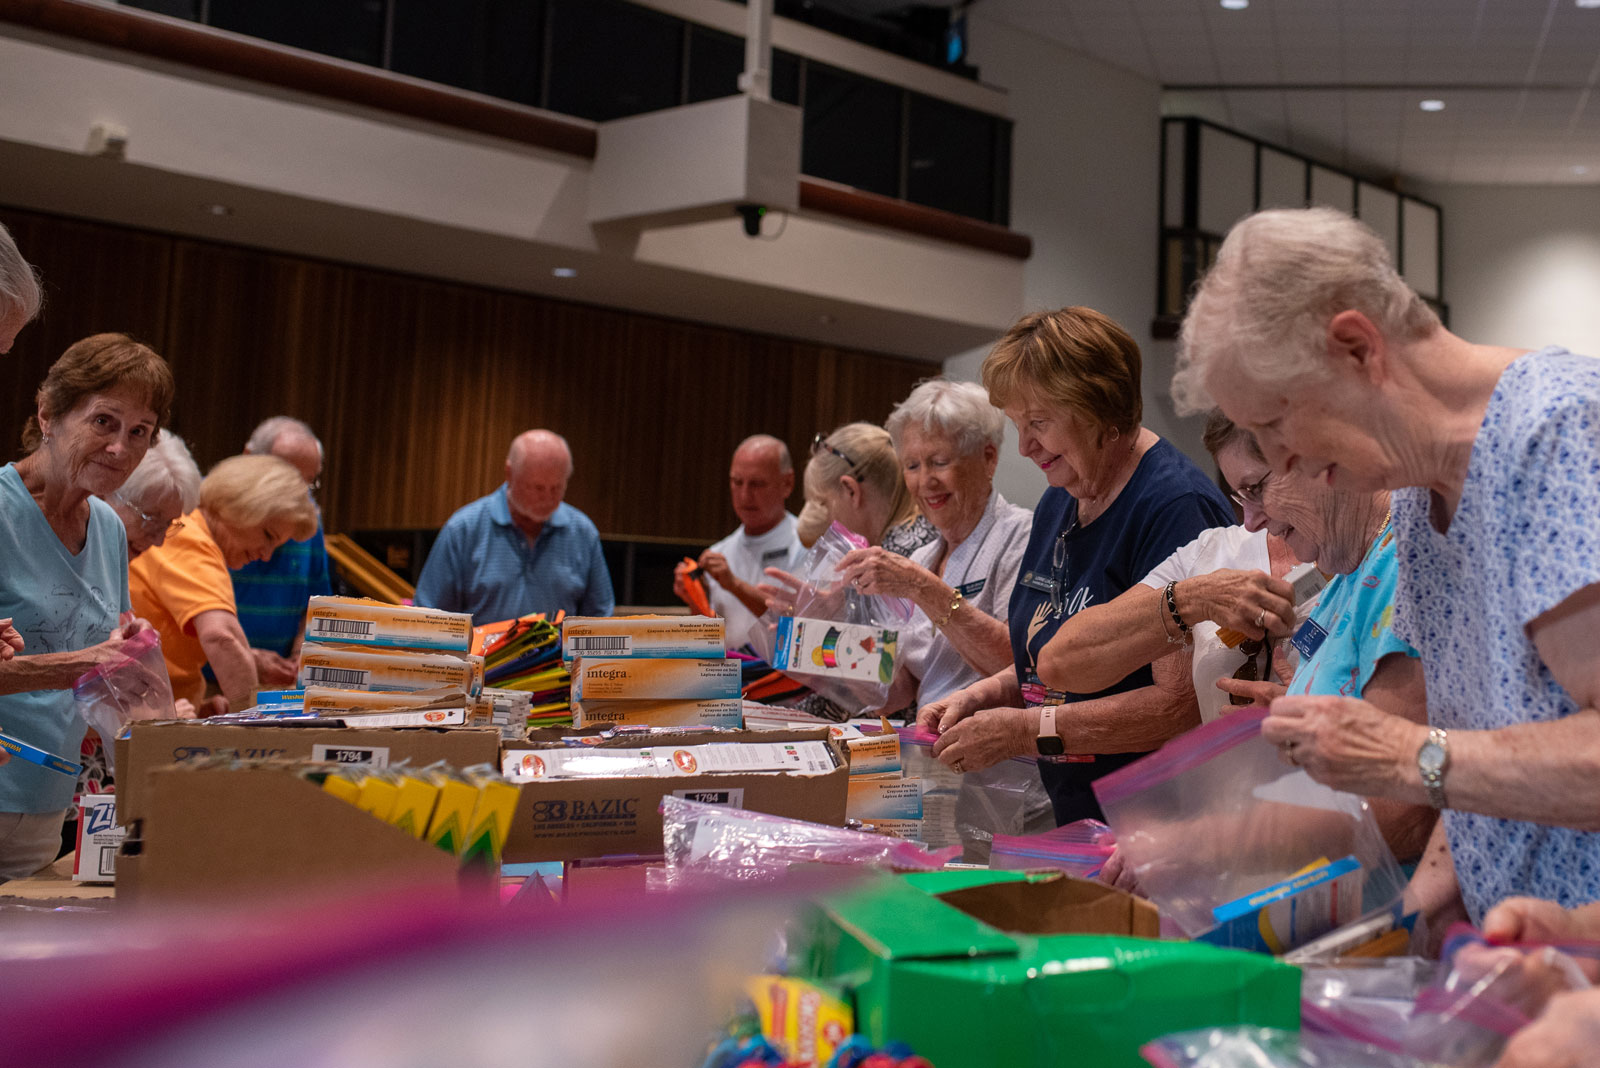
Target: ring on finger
(1261, 619)
(958, 767)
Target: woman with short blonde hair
(249, 505)
(855, 474)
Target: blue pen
(39, 756)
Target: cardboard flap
(1057, 905)
(551, 737)
(896, 921)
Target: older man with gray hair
(522, 549)
(272, 594)
(760, 480)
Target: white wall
(1085, 160)
(1522, 264)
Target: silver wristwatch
(1433, 760)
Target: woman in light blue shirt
(64, 568)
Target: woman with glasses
(1120, 501)
(248, 506)
(1234, 577)
(64, 568)
(855, 475)
(161, 491)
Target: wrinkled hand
(1348, 744)
(183, 708)
(1523, 979)
(11, 642)
(881, 573)
(215, 705)
(1236, 599)
(1531, 919)
(1566, 1035)
(272, 669)
(987, 737)
(781, 592)
(130, 625)
(939, 716)
(1118, 872)
(1260, 693)
(716, 565)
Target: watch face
(1431, 757)
(1050, 745)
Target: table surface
(53, 887)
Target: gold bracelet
(955, 603)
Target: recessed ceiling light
(565, 272)
(826, 320)
(1580, 168)
(1235, 5)
(1588, 3)
(217, 209)
(1432, 105)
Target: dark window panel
(178, 9)
(716, 60)
(488, 46)
(785, 77)
(852, 130)
(609, 59)
(1002, 174)
(348, 29)
(951, 158)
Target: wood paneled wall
(417, 386)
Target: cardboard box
(643, 636)
(148, 745)
(350, 668)
(222, 835)
(99, 836)
(714, 713)
(326, 701)
(1046, 971)
(358, 621)
(570, 818)
(615, 679)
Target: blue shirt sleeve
(599, 598)
(319, 583)
(1551, 499)
(437, 586)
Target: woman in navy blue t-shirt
(1120, 501)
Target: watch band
(1433, 772)
(1049, 743)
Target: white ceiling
(1341, 80)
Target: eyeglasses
(315, 485)
(148, 521)
(1250, 496)
(819, 444)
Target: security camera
(752, 214)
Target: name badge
(1309, 638)
(1035, 581)
(774, 554)
(971, 589)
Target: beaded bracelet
(1172, 607)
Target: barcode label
(337, 676)
(343, 628)
(621, 643)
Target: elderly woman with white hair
(20, 299)
(947, 436)
(1306, 335)
(161, 491)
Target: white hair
(166, 465)
(19, 282)
(958, 410)
(785, 461)
(1263, 309)
(266, 435)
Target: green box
(1057, 977)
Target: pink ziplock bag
(111, 696)
(1080, 848)
(1216, 815)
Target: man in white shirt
(760, 479)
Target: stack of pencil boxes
(390, 665)
(651, 671)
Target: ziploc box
(655, 679)
(99, 835)
(358, 621)
(350, 668)
(565, 819)
(667, 637)
(1047, 971)
(715, 713)
(836, 650)
(1289, 914)
(146, 745)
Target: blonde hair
(1279, 278)
(251, 491)
(1075, 359)
(869, 458)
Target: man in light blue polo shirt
(521, 549)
